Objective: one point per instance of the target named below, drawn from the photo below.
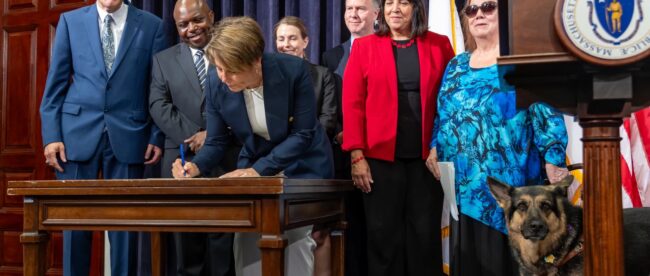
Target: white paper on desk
(448, 181)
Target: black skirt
(478, 249)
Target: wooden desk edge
(199, 186)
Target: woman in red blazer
(389, 100)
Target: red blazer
(370, 93)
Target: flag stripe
(453, 15)
(628, 181)
(643, 124)
(629, 185)
(640, 162)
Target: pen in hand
(183, 160)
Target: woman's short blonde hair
(236, 42)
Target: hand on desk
(189, 170)
(250, 172)
(51, 151)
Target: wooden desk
(268, 205)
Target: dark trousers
(478, 249)
(356, 259)
(77, 244)
(403, 213)
(203, 254)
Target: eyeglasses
(486, 7)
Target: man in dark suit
(360, 16)
(181, 75)
(94, 110)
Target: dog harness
(577, 250)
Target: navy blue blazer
(298, 144)
(81, 100)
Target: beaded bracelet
(356, 160)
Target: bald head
(185, 4)
(193, 18)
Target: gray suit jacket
(176, 102)
(176, 99)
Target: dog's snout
(535, 229)
(536, 226)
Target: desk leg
(34, 248)
(34, 241)
(337, 238)
(156, 254)
(272, 247)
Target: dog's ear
(562, 186)
(500, 191)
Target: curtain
(323, 18)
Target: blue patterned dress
(479, 129)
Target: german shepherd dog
(545, 230)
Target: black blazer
(326, 97)
(331, 59)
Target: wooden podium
(268, 205)
(542, 69)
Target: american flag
(635, 162)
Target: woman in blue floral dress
(480, 130)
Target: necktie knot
(108, 19)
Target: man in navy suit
(94, 110)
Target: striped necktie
(108, 44)
(201, 71)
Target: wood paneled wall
(27, 28)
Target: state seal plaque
(604, 32)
